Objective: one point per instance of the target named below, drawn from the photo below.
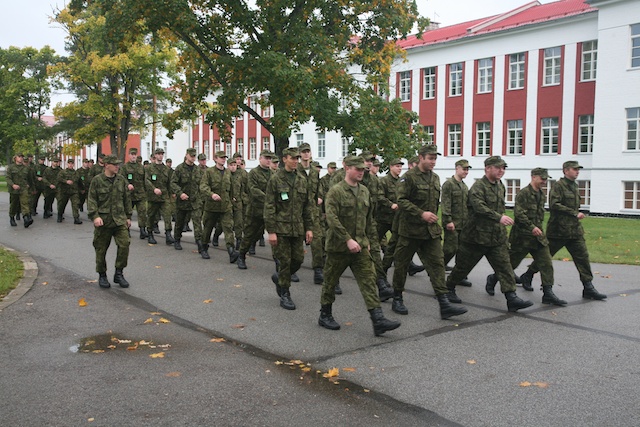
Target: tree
(116, 73)
(25, 94)
(295, 55)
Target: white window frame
(228, 148)
(632, 189)
(253, 103)
(585, 134)
(322, 145)
(485, 75)
(429, 89)
(483, 138)
(515, 137)
(552, 66)
(517, 70)
(207, 147)
(430, 131)
(635, 45)
(549, 135)
(633, 129)
(299, 139)
(584, 188)
(512, 188)
(253, 149)
(405, 86)
(589, 63)
(454, 139)
(266, 143)
(345, 146)
(455, 79)
(240, 145)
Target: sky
(26, 22)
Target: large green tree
(305, 58)
(25, 95)
(117, 73)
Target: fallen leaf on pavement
(163, 320)
(471, 362)
(208, 301)
(158, 266)
(525, 384)
(333, 372)
(157, 355)
(149, 320)
(217, 340)
(82, 302)
(349, 369)
(173, 374)
(541, 384)
(46, 283)
(238, 326)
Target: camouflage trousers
(383, 228)
(238, 220)
(577, 249)
(450, 244)
(361, 264)
(141, 207)
(289, 255)
(209, 221)
(430, 253)
(19, 203)
(541, 256)
(470, 254)
(155, 210)
(49, 197)
(183, 217)
(102, 240)
(63, 199)
(389, 252)
(317, 248)
(253, 230)
(34, 199)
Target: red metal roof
(527, 14)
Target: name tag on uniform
(154, 177)
(82, 178)
(130, 176)
(39, 173)
(284, 196)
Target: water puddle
(112, 342)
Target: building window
(345, 147)
(455, 140)
(485, 75)
(429, 83)
(253, 148)
(633, 129)
(207, 147)
(585, 131)
(253, 103)
(216, 147)
(516, 70)
(483, 139)
(228, 147)
(299, 139)
(265, 109)
(322, 145)
(584, 189)
(195, 144)
(512, 189)
(405, 86)
(552, 66)
(266, 143)
(429, 130)
(455, 79)
(589, 60)
(546, 189)
(632, 195)
(514, 136)
(549, 136)
(240, 144)
(635, 45)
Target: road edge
(29, 276)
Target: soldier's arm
(479, 204)
(332, 209)
(255, 186)
(307, 212)
(128, 206)
(445, 204)
(404, 193)
(9, 176)
(92, 201)
(205, 188)
(269, 209)
(520, 211)
(372, 226)
(174, 184)
(556, 201)
(383, 200)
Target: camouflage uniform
(19, 174)
(317, 251)
(134, 173)
(68, 192)
(254, 219)
(186, 179)
(217, 181)
(49, 178)
(386, 198)
(454, 210)
(39, 187)
(238, 196)
(158, 176)
(83, 186)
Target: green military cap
(112, 160)
(100, 156)
(221, 153)
(55, 159)
(331, 165)
(202, 156)
(463, 163)
(541, 172)
(266, 153)
(316, 164)
(571, 164)
(291, 151)
(414, 159)
(236, 155)
(19, 155)
(376, 162)
(85, 160)
(191, 151)
(71, 160)
(133, 150)
(304, 147)
(428, 149)
(396, 162)
(159, 151)
(29, 155)
(367, 155)
(495, 161)
(169, 161)
(356, 161)
(231, 161)
(275, 160)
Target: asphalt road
(545, 366)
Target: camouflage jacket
(454, 202)
(18, 175)
(218, 182)
(238, 193)
(186, 179)
(39, 171)
(418, 192)
(337, 177)
(50, 177)
(485, 206)
(387, 197)
(83, 179)
(95, 170)
(349, 217)
(68, 175)
(564, 205)
(312, 181)
(244, 175)
(288, 204)
(158, 176)
(133, 172)
(529, 214)
(109, 199)
(258, 178)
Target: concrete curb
(26, 282)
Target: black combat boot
(337, 290)
(326, 319)
(261, 242)
(60, 217)
(492, 281)
(215, 240)
(515, 303)
(274, 279)
(168, 238)
(385, 291)
(238, 241)
(398, 304)
(465, 282)
(318, 276)
(285, 299)
(118, 278)
(452, 296)
(47, 214)
(414, 268)
(27, 220)
(548, 297)
(156, 229)
(152, 240)
(12, 221)
(526, 279)
(177, 245)
(103, 282)
(447, 310)
(77, 220)
(143, 233)
(380, 323)
(18, 216)
(186, 228)
(204, 251)
(242, 261)
(252, 249)
(295, 278)
(590, 292)
(233, 254)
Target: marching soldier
(185, 184)
(83, 183)
(237, 200)
(68, 189)
(158, 180)
(50, 180)
(133, 172)
(39, 187)
(18, 184)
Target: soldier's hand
(309, 237)
(319, 201)
(581, 215)
(354, 247)
(53, 187)
(394, 207)
(451, 226)
(98, 222)
(130, 187)
(536, 232)
(128, 223)
(157, 191)
(273, 239)
(429, 217)
(184, 196)
(216, 197)
(15, 186)
(505, 220)
(69, 182)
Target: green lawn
(11, 271)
